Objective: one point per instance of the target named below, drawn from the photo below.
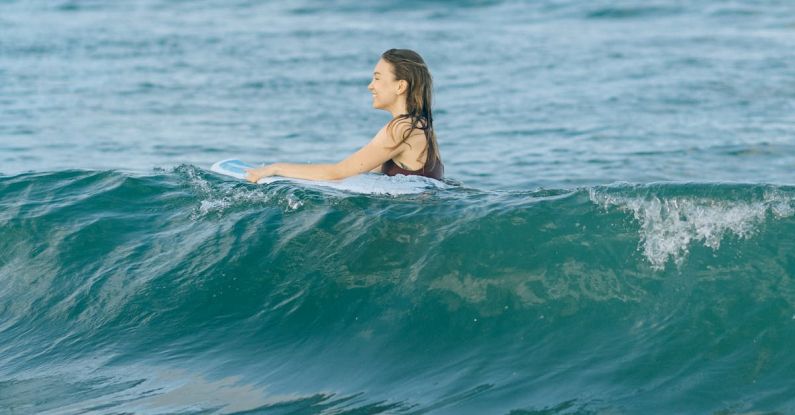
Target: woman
(406, 145)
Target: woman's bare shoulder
(398, 129)
(408, 122)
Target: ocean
(614, 234)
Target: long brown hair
(410, 67)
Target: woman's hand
(253, 175)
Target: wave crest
(669, 225)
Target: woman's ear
(403, 86)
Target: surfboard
(237, 168)
(364, 183)
(232, 168)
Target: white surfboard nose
(232, 167)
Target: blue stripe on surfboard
(232, 167)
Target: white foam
(668, 226)
(218, 199)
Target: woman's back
(415, 159)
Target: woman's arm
(375, 153)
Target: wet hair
(409, 66)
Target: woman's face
(384, 87)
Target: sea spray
(669, 225)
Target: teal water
(551, 93)
(180, 292)
(614, 237)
